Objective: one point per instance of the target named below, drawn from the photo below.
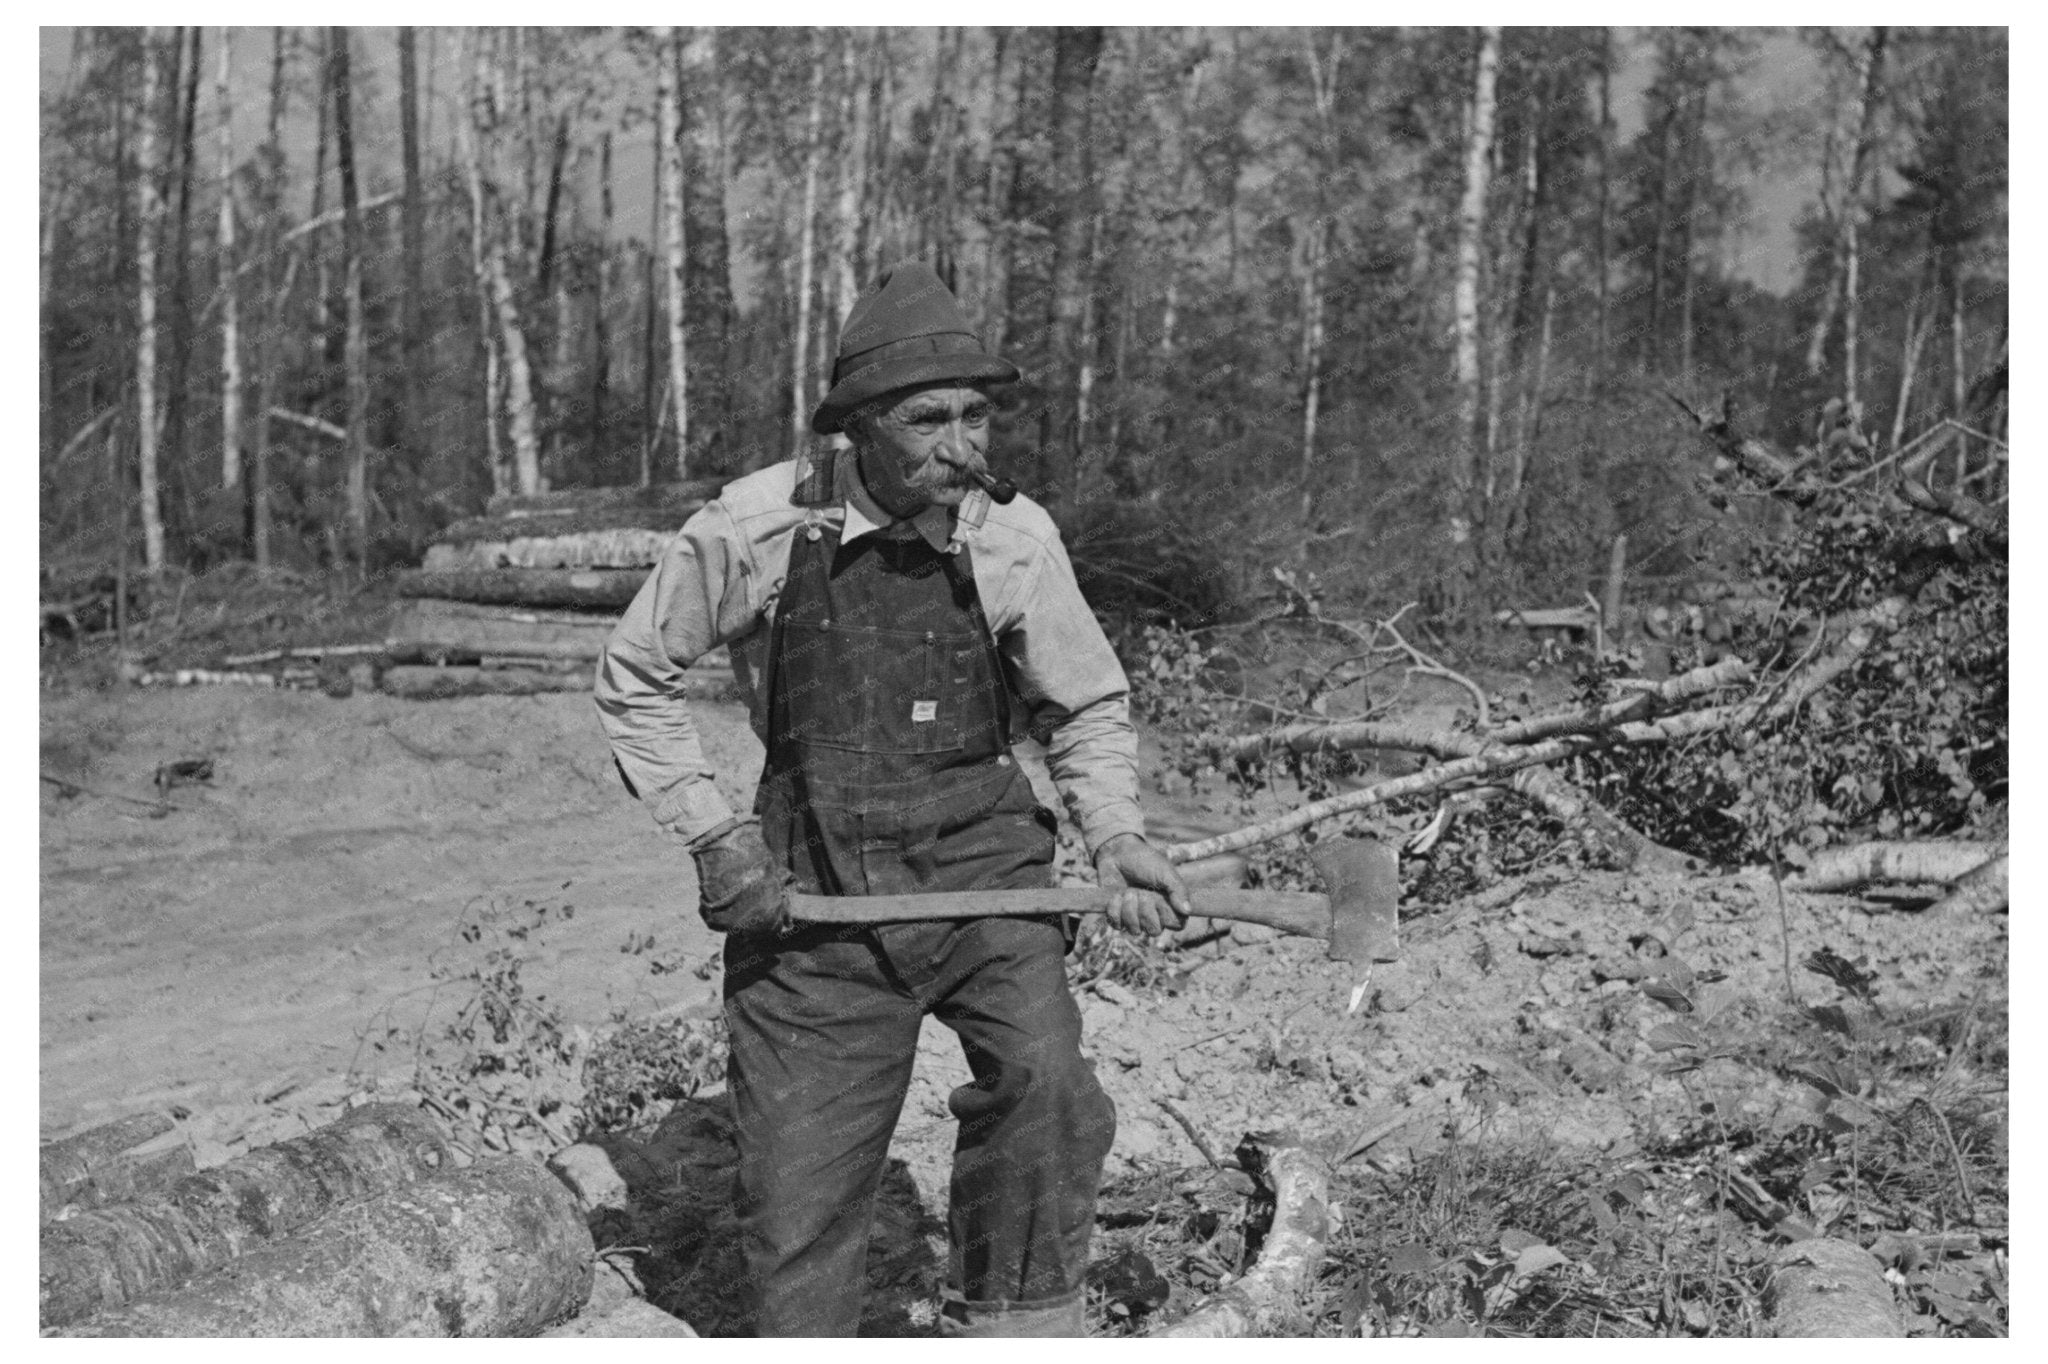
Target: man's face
(917, 450)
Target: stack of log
(370, 1226)
(522, 598)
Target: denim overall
(888, 771)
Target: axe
(1356, 915)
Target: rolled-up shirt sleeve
(1078, 698)
(693, 601)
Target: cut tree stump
(1827, 1289)
(499, 1249)
(102, 1258)
(1294, 1184)
(593, 588)
(109, 1163)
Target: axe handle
(1299, 912)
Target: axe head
(1362, 877)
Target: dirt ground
(232, 956)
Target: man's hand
(1130, 866)
(740, 887)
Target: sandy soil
(230, 957)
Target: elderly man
(894, 630)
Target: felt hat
(906, 330)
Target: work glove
(740, 886)
(1130, 866)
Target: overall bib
(888, 770)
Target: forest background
(1403, 307)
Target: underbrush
(1899, 1148)
(196, 620)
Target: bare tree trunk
(669, 116)
(1323, 85)
(1465, 512)
(357, 354)
(230, 333)
(469, 134)
(996, 199)
(552, 291)
(322, 135)
(1909, 364)
(1183, 235)
(650, 416)
(847, 263)
(1959, 375)
(412, 226)
(1694, 169)
(799, 370)
(1076, 51)
(1605, 236)
(151, 220)
(700, 106)
(178, 353)
(601, 338)
(518, 371)
(1866, 124)
(273, 330)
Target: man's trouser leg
(822, 1047)
(1035, 1128)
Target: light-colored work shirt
(719, 580)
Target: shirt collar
(864, 514)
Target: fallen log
(691, 494)
(1983, 891)
(598, 588)
(1861, 864)
(499, 1249)
(463, 627)
(1293, 1192)
(561, 522)
(110, 1163)
(102, 1258)
(425, 683)
(1822, 1288)
(417, 683)
(617, 548)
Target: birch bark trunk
(669, 121)
(356, 353)
(1464, 510)
(800, 361)
(151, 218)
(230, 333)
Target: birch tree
(150, 222)
(487, 100)
(230, 333)
(356, 352)
(1465, 512)
(799, 369)
(668, 115)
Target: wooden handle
(1297, 912)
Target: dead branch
(325, 428)
(1864, 863)
(1822, 1288)
(1802, 682)
(1296, 1184)
(67, 784)
(1983, 891)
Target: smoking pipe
(1000, 490)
